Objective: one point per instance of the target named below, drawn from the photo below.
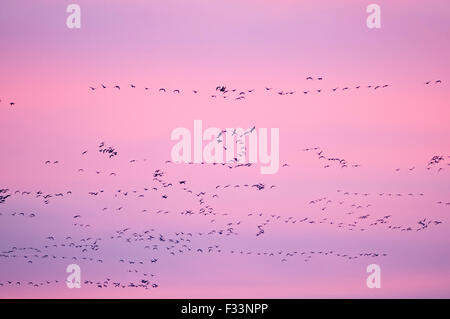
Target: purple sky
(47, 69)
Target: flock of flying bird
(239, 94)
(438, 162)
(360, 216)
(81, 246)
(221, 90)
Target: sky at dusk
(364, 149)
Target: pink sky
(47, 69)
